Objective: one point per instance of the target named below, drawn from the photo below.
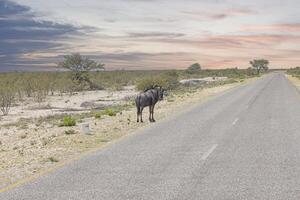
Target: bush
(194, 68)
(68, 121)
(70, 132)
(53, 159)
(170, 80)
(167, 80)
(98, 115)
(146, 84)
(110, 112)
(7, 96)
(295, 72)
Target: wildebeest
(148, 98)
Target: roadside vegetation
(295, 72)
(16, 86)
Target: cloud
(21, 32)
(204, 15)
(230, 41)
(272, 27)
(147, 33)
(154, 35)
(144, 60)
(9, 9)
(108, 20)
(239, 11)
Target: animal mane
(151, 88)
(148, 89)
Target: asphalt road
(244, 144)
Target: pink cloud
(272, 27)
(231, 41)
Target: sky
(149, 34)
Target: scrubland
(44, 114)
(293, 74)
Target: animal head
(161, 92)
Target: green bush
(68, 121)
(110, 112)
(98, 115)
(196, 67)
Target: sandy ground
(294, 80)
(60, 104)
(30, 148)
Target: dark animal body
(148, 98)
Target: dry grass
(294, 79)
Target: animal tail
(138, 103)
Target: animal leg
(141, 114)
(137, 115)
(153, 120)
(150, 111)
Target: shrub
(295, 72)
(168, 80)
(39, 96)
(110, 112)
(53, 159)
(7, 96)
(70, 132)
(146, 84)
(68, 121)
(194, 68)
(98, 115)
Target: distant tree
(260, 64)
(80, 67)
(194, 68)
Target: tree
(194, 68)
(260, 64)
(80, 67)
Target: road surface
(244, 144)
